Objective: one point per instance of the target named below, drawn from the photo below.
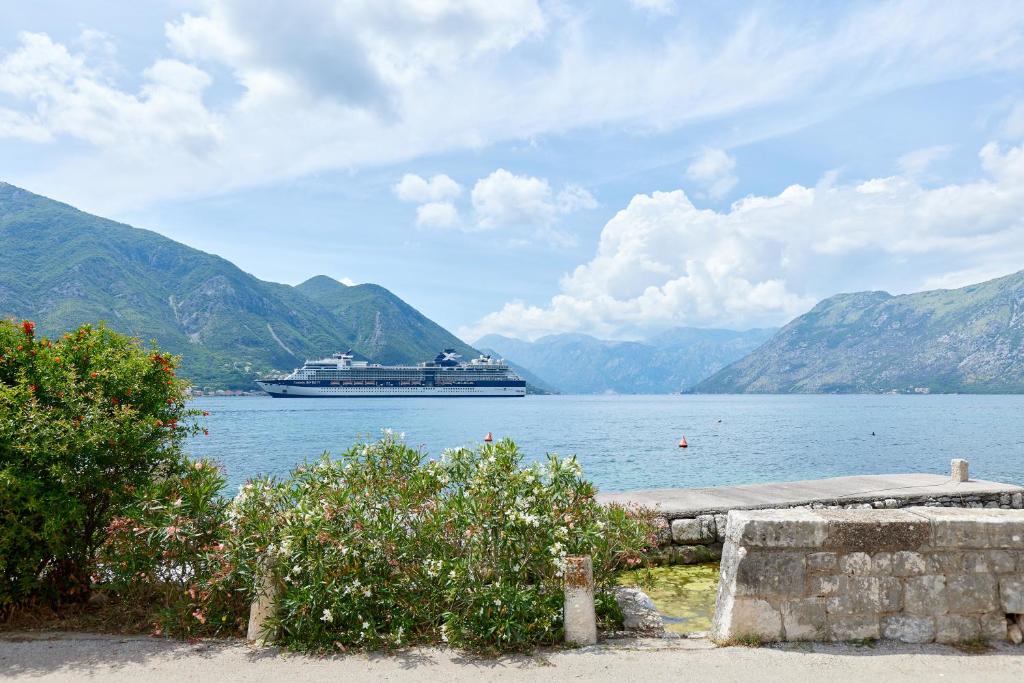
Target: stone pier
(919, 575)
(694, 520)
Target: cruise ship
(340, 376)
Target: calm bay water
(628, 442)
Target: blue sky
(530, 167)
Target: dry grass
(96, 617)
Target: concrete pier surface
(674, 503)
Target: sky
(530, 167)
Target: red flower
(28, 327)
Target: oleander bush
(383, 547)
(167, 551)
(86, 421)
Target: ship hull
(281, 390)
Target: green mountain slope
(61, 267)
(669, 362)
(387, 329)
(960, 340)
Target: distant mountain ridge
(961, 340)
(669, 362)
(62, 267)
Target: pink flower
(172, 531)
(198, 614)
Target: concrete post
(958, 467)
(261, 609)
(579, 615)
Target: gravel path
(78, 657)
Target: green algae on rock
(683, 594)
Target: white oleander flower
(327, 617)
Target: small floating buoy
(682, 443)
(489, 438)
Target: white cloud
(506, 200)
(713, 171)
(661, 261)
(376, 82)
(917, 162)
(575, 198)
(656, 6)
(1013, 126)
(525, 204)
(441, 215)
(69, 97)
(414, 188)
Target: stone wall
(699, 537)
(918, 575)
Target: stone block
(925, 595)
(1011, 594)
(707, 528)
(853, 626)
(805, 619)
(971, 593)
(821, 585)
(767, 573)
(1007, 530)
(695, 554)
(881, 564)
(956, 628)
(909, 629)
(736, 617)
(777, 528)
(638, 611)
(908, 563)
(964, 529)
(890, 594)
(974, 562)
(720, 524)
(856, 595)
(874, 530)
(687, 532)
(1017, 500)
(993, 626)
(945, 562)
(824, 563)
(959, 471)
(855, 563)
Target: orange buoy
(682, 443)
(489, 438)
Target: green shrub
(85, 421)
(167, 551)
(384, 548)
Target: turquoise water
(627, 442)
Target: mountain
(534, 384)
(669, 362)
(60, 267)
(387, 329)
(959, 340)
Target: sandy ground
(78, 657)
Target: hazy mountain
(61, 267)
(669, 362)
(960, 340)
